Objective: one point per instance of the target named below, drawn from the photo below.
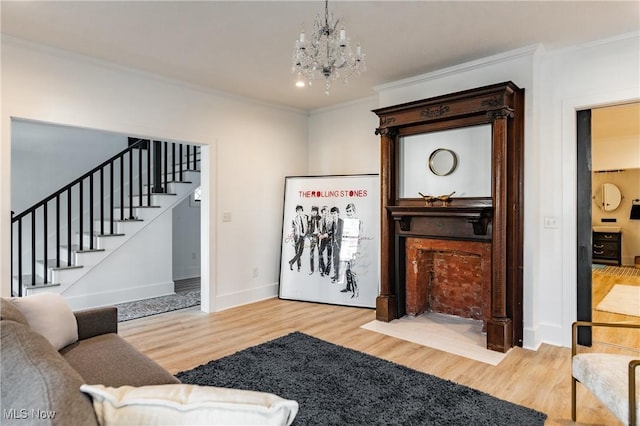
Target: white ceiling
(245, 47)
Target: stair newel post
(180, 161)
(111, 197)
(69, 226)
(58, 239)
(91, 211)
(20, 257)
(46, 241)
(12, 251)
(157, 169)
(122, 188)
(80, 216)
(33, 247)
(102, 201)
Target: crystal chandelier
(327, 54)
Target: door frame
(584, 234)
(569, 228)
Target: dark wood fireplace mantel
(478, 217)
(495, 222)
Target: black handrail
(83, 177)
(154, 167)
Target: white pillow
(183, 404)
(48, 314)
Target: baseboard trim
(108, 298)
(256, 294)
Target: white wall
(596, 74)
(342, 139)
(186, 239)
(555, 83)
(46, 157)
(248, 144)
(125, 276)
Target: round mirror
(609, 197)
(443, 162)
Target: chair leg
(573, 399)
(632, 392)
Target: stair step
(75, 248)
(87, 250)
(27, 279)
(63, 266)
(174, 181)
(107, 219)
(145, 195)
(41, 285)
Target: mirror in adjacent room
(608, 197)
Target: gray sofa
(40, 385)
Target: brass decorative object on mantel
(446, 198)
(429, 199)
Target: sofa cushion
(189, 405)
(9, 312)
(49, 315)
(38, 386)
(111, 361)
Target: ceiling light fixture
(327, 54)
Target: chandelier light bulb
(326, 54)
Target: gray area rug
(158, 305)
(339, 386)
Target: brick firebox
(450, 277)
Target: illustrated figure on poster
(326, 235)
(336, 241)
(351, 230)
(300, 225)
(315, 230)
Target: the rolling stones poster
(330, 242)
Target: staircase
(76, 231)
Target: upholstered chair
(612, 378)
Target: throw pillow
(188, 404)
(8, 312)
(48, 314)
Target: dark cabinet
(607, 247)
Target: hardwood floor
(538, 379)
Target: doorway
(607, 152)
(47, 156)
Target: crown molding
(457, 69)
(67, 54)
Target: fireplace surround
(460, 255)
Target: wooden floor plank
(539, 379)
